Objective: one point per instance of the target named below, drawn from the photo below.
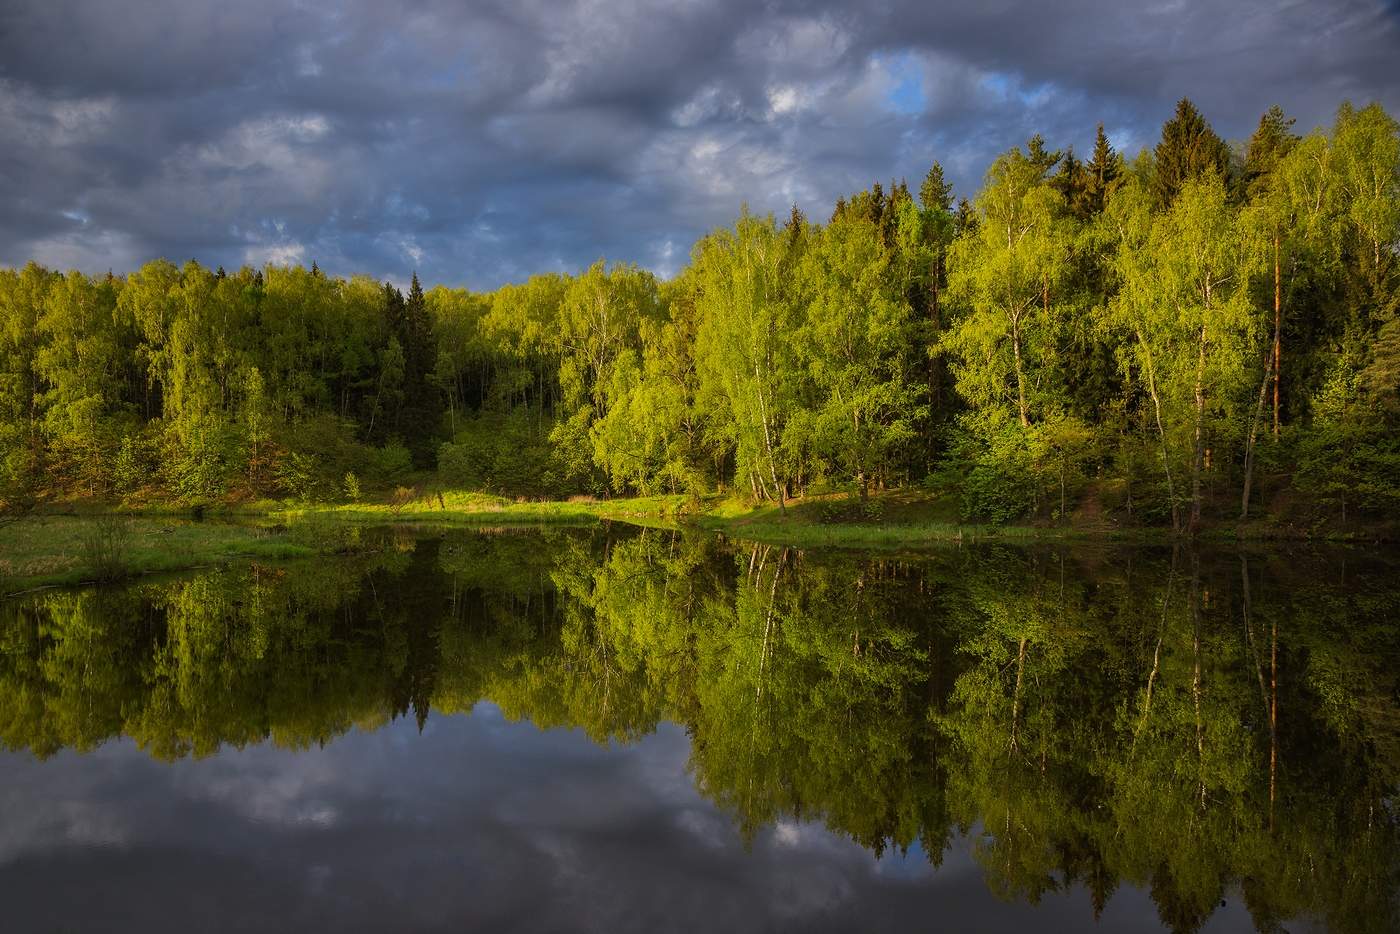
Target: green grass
(49, 550)
(888, 520)
(483, 509)
(899, 519)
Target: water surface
(611, 730)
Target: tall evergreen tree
(1072, 182)
(1272, 140)
(1040, 157)
(1104, 172)
(1188, 149)
(422, 402)
(935, 194)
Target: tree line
(1199, 330)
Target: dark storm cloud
(478, 142)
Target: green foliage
(301, 476)
(1348, 459)
(1159, 328)
(510, 453)
(749, 367)
(106, 543)
(130, 469)
(1006, 271)
(1188, 150)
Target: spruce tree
(1072, 182)
(1103, 173)
(935, 194)
(421, 398)
(1271, 141)
(1188, 149)
(965, 219)
(1040, 157)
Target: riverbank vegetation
(1193, 336)
(51, 550)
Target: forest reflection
(1190, 723)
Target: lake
(622, 730)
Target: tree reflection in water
(1187, 722)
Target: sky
(477, 143)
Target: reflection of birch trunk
(1016, 695)
(1157, 652)
(764, 651)
(1249, 630)
(1267, 697)
(1196, 672)
(1273, 718)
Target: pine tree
(1040, 157)
(1188, 149)
(965, 219)
(796, 224)
(935, 194)
(1072, 182)
(1103, 173)
(1271, 141)
(421, 397)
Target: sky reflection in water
(185, 754)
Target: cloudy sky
(478, 141)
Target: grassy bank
(59, 548)
(49, 550)
(888, 520)
(483, 509)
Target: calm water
(617, 731)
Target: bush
(105, 545)
(197, 465)
(299, 474)
(388, 464)
(991, 471)
(503, 454)
(129, 471)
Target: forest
(1187, 335)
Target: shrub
(352, 487)
(129, 470)
(299, 475)
(388, 464)
(105, 547)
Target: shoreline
(48, 548)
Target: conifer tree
(1272, 140)
(1072, 182)
(1188, 149)
(1103, 173)
(935, 194)
(422, 404)
(1040, 157)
